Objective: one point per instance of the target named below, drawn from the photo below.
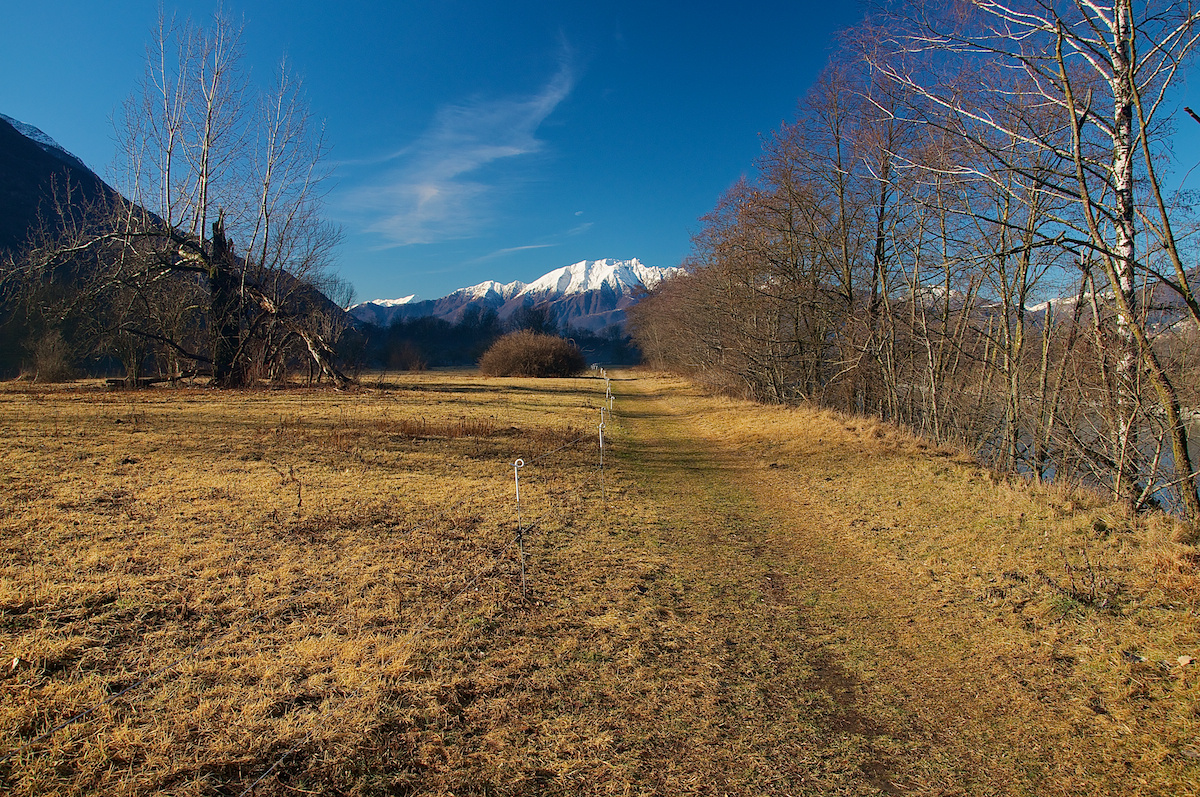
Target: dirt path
(819, 667)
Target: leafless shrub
(52, 358)
(531, 354)
(1086, 582)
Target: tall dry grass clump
(530, 354)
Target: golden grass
(1070, 626)
(294, 551)
(769, 601)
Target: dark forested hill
(31, 171)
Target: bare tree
(224, 189)
(954, 163)
(1103, 71)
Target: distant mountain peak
(395, 302)
(591, 294)
(490, 287)
(594, 275)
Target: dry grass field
(963, 634)
(293, 591)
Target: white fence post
(520, 463)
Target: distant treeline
(429, 342)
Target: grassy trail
(822, 670)
(781, 705)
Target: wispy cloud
(434, 190)
(510, 250)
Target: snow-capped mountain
(396, 302)
(590, 294)
(490, 291)
(621, 276)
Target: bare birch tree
(1104, 71)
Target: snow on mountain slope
(590, 294)
(394, 302)
(491, 289)
(593, 275)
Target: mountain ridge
(589, 294)
(34, 170)
(45, 142)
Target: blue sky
(472, 139)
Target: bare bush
(52, 358)
(532, 354)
